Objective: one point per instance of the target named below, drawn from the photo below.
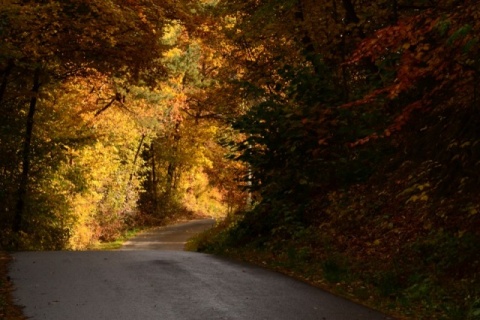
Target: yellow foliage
(202, 198)
(98, 177)
(421, 197)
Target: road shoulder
(8, 309)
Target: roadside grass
(130, 233)
(8, 309)
(117, 243)
(398, 290)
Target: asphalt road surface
(165, 284)
(172, 237)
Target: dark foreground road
(154, 284)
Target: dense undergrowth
(430, 276)
(404, 241)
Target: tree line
(358, 127)
(106, 122)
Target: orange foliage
(435, 51)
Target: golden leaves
(417, 192)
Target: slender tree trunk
(6, 74)
(308, 44)
(172, 165)
(394, 11)
(177, 178)
(130, 179)
(22, 188)
(154, 180)
(351, 17)
(346, 87)
(139, 148)
(170, 178)
(350, 14)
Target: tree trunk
(394, 11)
(6, 74)
(170, 178)
(154, 180)
(130, 179)
(308, 44)
(350, 14)
(22, 188)
(139, 148)
(172, 165)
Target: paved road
(164, 285)
(168, 238)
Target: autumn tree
(47, 47)
(292, 74)
(185, 156)
(359, 123)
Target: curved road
(171, 237)
(135, 283)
